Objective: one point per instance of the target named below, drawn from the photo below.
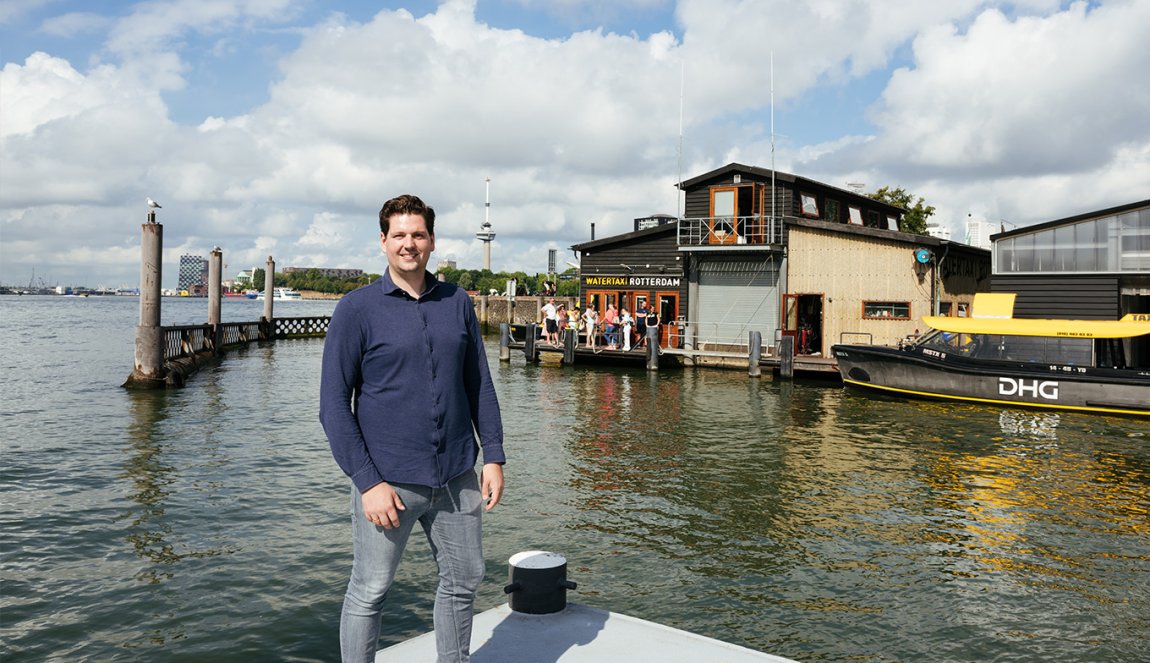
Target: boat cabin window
(1029, 349)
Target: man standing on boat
(404, 389)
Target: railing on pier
(719, 336)
(754, 230)
(191, 340)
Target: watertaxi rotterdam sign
(632, 281)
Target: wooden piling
(529, 343)
(267, 324)
(149, 365)
(652, 348)
(215, 294)
(787, 357)
(570, 342)
(504, 342)
(754, 354)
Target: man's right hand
(381, 506)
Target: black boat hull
(918, 372)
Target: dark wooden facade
(754, 197)
(640, 266)
(1083, 297)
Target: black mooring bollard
(652, 348)
(570, 342)
(754, 353)
(529, 343)
(504, 342)
(537, 582)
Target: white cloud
(1024, 119)
(73, 24)
(1026, 113)
(1036, 94)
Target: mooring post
(215, 293)
(652, 348)
(754, 353)
(529, 343)
(484, 302)
(570, 342)
(504, 342)
(787, 357)
(149, 365)
(267, 324)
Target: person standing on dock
(550, 321)
(610, 318)
(652, 320)
(641, 323)
(625, 325)
(591, 319)
(404, 389)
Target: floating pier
(784, 363)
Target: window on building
(946, 309)
(886, 310)
(891, 223)
(832, 210)
(724, 213)
(1118, 243)
(810, 205)
(855, 215)
(872, 218)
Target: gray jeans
(451, 518)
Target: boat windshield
(1001, 347)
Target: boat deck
(578, 634)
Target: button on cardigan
(405, 387)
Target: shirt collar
(430, 283)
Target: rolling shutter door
(736, 297)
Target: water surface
(210, 523)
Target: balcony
(730, 232)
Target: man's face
(407, 245)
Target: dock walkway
(822, 367)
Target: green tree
(914, 221)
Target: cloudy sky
(279, 127)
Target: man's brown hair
(406, 204)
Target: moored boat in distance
(282, 294)
(996, 358)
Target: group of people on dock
(616, 328)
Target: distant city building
(245, 277)
(935, 230)
(653, 221)
(445, 264)
(978, 233)
(193, 271)
(328, 272)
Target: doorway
(803, 321)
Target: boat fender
(538, 582)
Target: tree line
(479, 280)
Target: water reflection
(152, 478)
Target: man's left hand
(492, 484)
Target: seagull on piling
(153, 204)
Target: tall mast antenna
(772, 136)
(679, 183)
